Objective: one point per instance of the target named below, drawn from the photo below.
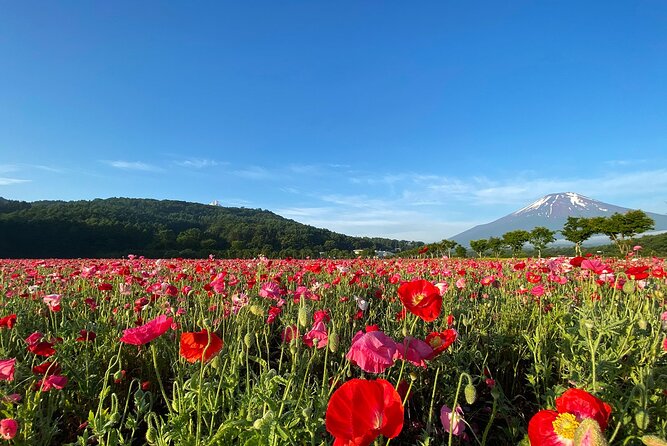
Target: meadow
(420, 351)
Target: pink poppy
(53, 301)
(457, 425)
(7, 369)
(319, 333)
(270, 290)
(8, 428)
(147, 332)
(413, 350)
(49, 382)
(373, 352)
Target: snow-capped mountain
(565, 204)
(550, 211)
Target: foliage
(115, 226)
(526, 331)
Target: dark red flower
(86, 335)
(361, 410)
(199, 346)
(47, 368)
(421, 298)
(8, 321)
(42, 349)
(557, 427)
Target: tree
(460, 251)
(479, 246)
(495, 245)
(620, 228)
(577, 230)
(515, 240)
(540, 237)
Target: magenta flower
(49, 382)
(446, 418)
(413, 350)
(53, 301)
(319, 333)
(373, 352)
(147, 332)
(8, 428)
(7, 369)
(270, 290)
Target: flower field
(333, 352)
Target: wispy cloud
(9, 181)
(133, 165)
(198, 163)
(5, 168)
(255, 173)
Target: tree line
(620, 228)
(116, 227)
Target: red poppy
(637, 272)
(201, 345)
(86, 336)
(421, 298)
(441, 340)
(42, 349)
(361, 410)
(8, 321)
(147, 332)
(557, 427)
(47, 368)
(576, 261)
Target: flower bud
(642, 324)
(629, 287)
(303, 316)
(589, 434)
(642, 419)
(470, 393)
(652, 440)
(334, 341)
(247, 340)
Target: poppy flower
(198, 346)
(373, 351)
(413, 350)
(8, 428)
(319, 332)
(557, 427)
(42, 349)
(441, 340)
(49, 382)
(53, 301)
(147, 332)
(47, 368)
(453, 420)
(421, 298)
(86, 336)
(7, 369)
(360, 410)
(8, 321)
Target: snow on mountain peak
(563, 203)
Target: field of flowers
(343, 352)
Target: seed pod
(629, 287)
(247, 340)
(642, 419)
(256, 310)
(470, 393)
(303, 316)
(334, 340)
(405, 331)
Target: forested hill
(116, 227)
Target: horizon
(398, 121)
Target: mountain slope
(118, 226)
(550, 211)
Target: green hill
(116, 227)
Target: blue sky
(410, 120)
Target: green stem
(159, 379)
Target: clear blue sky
(411, 120)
